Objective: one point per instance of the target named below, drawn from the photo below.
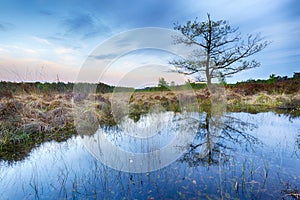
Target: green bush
(263, 99)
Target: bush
(263, 99)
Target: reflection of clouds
(269, 128)
(148, 145)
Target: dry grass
(54, 112)
(27, 116)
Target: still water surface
(250, 156)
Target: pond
(166, 156)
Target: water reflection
(215, 139)
(153, 142)
(248, 156)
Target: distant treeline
(7, 88)
(186, 86)
(57, 87)
(61, 87)
(273, 79)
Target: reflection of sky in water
(154, 142)
(273, 130)
(67, 170)
(149, 133)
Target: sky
(51, 40)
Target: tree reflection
(217, 137)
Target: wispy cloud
(234, 10)
(79, 23)
(46, 12)
(104, 56)
(55, 38)
(5, 26)
(2, 27)
(12, 69)
(41, 40)
(18, 49)
(2, 50)
(85, 25)
(63, 50)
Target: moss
(248, 108)
(263, 99)
(16, 146)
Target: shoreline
(28, 120)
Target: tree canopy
(222, 50)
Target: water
(241, 156)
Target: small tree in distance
(162, 83)
(172, 84)
(222, 51)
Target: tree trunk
(208, 79)
(207, 69)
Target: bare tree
(222, 51)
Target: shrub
(263, 99)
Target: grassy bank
(29, 118)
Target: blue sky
(43, 40)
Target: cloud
(15, 69)
(79, 23)
(2, 50)
(85, 25)
(46, 12)
(18, 49)
(284, 34)
(236, 10)
(41, 40)
(5, 26)
(2, 27)
(55, 38)
(63, 40)
(133, 13)
(63, 50)
(104, 56)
